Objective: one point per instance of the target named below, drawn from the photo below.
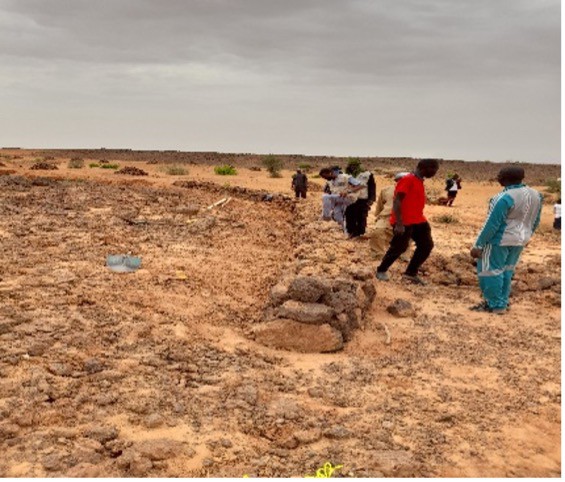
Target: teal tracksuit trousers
(495, 269)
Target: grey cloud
(365, 41)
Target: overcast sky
(456, 79)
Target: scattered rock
(546, 283)
(305, 338)
(154, 420)
(102, 433)
(131, 171)
(53, 462)
(93, 365)
(159, 449)
(401, 309)
(308, 436)
(337, 432)
(85, 470)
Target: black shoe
(414, 279)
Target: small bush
(255, 168)
(273, 165)
(446, 219)
(225, 170)
(553, 186)
(305, 167)
(109, 166)
(354, 167)
(176, 170)
(76, 163)
(93, 164)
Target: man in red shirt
(409, 222)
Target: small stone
(154, 420)
(93, 365)
(226, 443)
(60, 369)
(316, 392)
(159, 449)
(53, 462)
(337, 432)
(546, 283)
(102, 433)
(401, 309)
(289, 443)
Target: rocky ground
(156, 373)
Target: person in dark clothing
(452, 186)
(356, 214)
(300, 184)
(409, 222)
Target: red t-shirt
(412, 207)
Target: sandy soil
(153, 373)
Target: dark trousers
(422, 236)
(356, 217)
(300, 192)
(557, 223)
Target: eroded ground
(153, 373)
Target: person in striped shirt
(513, 216)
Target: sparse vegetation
(446, 219)
(109, 166)
(225, 170)
(175, 170)
(273, 165)
(553, 186)
(93, 164)
(305, 167)
(75, 163)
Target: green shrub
(76, 163)
(354, 167)
(110, 166)
(553, 186)
(176, 170)
(273, 165)
(305, 167)
(225, 170)
(93, 164)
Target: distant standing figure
(381, 236)
(356, 213)
(513, 216)
(557, 215)
(452, 186)
(300, 184)
(409, 222)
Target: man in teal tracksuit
(513, 216)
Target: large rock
(308, 289)
(305, 338)
(314, 313)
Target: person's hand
(399, 228)
(343, 194)
(476, 253)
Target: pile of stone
(315, 314)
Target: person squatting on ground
(409, 222)
(357, 212)
(513, 216)
(452, 186)
(300, 184)
(557, 215)
(380, 237)
(341, 187)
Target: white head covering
(400, 175)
